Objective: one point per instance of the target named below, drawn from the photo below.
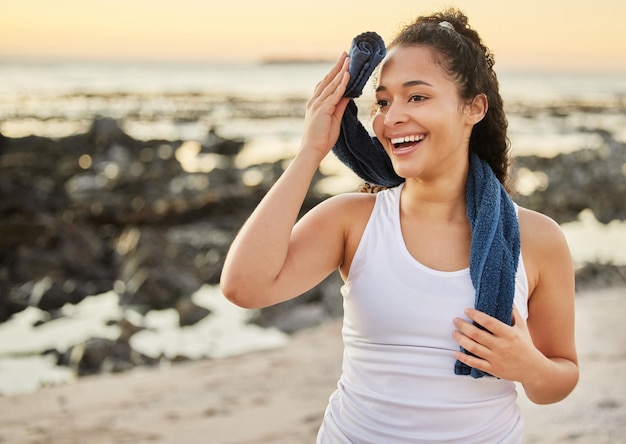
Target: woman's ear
(477, 108)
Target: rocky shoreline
(152, 220)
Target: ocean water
(177, 99)
(549, 113)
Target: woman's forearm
(556, 379)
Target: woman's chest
(402, 304)
(443, 247)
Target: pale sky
(554, 34)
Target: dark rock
(58, 294)
(589, 178)
(152, 271)
(88, 358)
(67, 207)
(127, 330)
(189, 312)
(97, 355)
(593, 276)
(316, 306)
(214, 143)
(105, 132)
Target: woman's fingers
(471, 337)
(326, 107)
(339, 66)
(501, 350)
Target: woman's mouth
(405, 143)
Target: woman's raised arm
(271, 261)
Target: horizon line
(283, 60)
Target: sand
(279, 396)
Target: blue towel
(366, 52)
(362, 153)
(495, 246)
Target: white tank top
(398, 383)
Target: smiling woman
(437, 298)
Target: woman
(404, 255)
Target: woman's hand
(325, 109)
(504, 351)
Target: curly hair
(459, 50)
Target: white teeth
(405, 139)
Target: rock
(589, 178)
(88, 357)
(105, 132)
(98, 355)
(594, 276)
(67, 204)
(316, 306)
(152, 272)
(127, 330)
(189, 313)
(214, 143)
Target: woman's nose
(396, 113)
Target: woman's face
(420, 119)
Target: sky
(551, 34)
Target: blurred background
(136, 137)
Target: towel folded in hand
(495, 246)
(362, 153)
(366, 52)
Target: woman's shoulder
(538, 227)
(352, 201)
(348, 210)
(343, 210)
(544, 246)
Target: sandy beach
(279, 396)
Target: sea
(549, 113)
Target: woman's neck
(438, 199)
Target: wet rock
(68, 206)
(105, 132)
(151, 271)
(589, 178)
(98, 355)
(189, 313)
(315, 307)
(214, 143)
(593, 276)
(88, 357)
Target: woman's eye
(417, 98)
(382, 103)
